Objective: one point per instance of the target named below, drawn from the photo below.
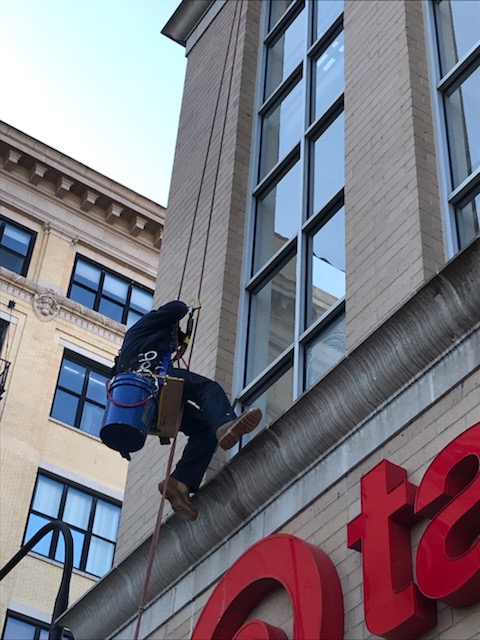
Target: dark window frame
(28, 256)
(99, 293)
(37, 625)
(96, 497)
(90, 366)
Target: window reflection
(285, 54)
(272, 319)
(325, 351)
(273, 403)
(16, 245)
(55, 499)
(326, 12)
(463, 127)
(458, 30)
(281, 129)
(327, 267)
(277, 9)
(328, 76)
(468, 219)
(279, 215)
(328, 172)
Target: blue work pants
(199, 424)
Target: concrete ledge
(440, 317)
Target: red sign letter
(394, 607)
(306, 573)
(448, 555)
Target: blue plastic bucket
(132, 402)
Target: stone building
(78, 256)
(325, 202)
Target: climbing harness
(191, 324)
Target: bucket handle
(128, 406)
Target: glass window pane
(285, 54)
(47, 497)
(468, 221)
(78, 506)
(462, 110)
(281, 129)
(16, 239)
(328, 172)
(83, 296)
(100, 556)
(328, 77)
(78, 542)
(327, 266)
(35, 523)
(273, 403)
(279, 216)
(132, 318)
(91, 420)
(107, 517)
(141, 300)
(11, 261)
(65, 407)
(458, 30)
(277, 9)
(326, 12)
(18, 630)
(87, 274)
(96, 387)
(325, 351)
(115, 288)
(72, 375)
(272, 320)
(111, 309)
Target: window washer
(209, 422)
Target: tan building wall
(73, 210)
(394, 228)
(214, 347)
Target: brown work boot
(230, 433)
(177, 495)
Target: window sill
(76, 429)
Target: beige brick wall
(30, 439)
(324, 524)
(215, 341)
(393, 226)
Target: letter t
(394, 606)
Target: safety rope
(202, 272)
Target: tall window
(110, 294)
(93, 520)
(20, 627)
(457, 49)
(80, 396)
(295, 287)
(16, 246)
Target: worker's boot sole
(180, 502)
(232, 433)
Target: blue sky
(96, 80)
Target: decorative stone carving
(46, 305)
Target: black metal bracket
(61, 601)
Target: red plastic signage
(396, 607)
(305, 571)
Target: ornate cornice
(436, 320)
(90, 193)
